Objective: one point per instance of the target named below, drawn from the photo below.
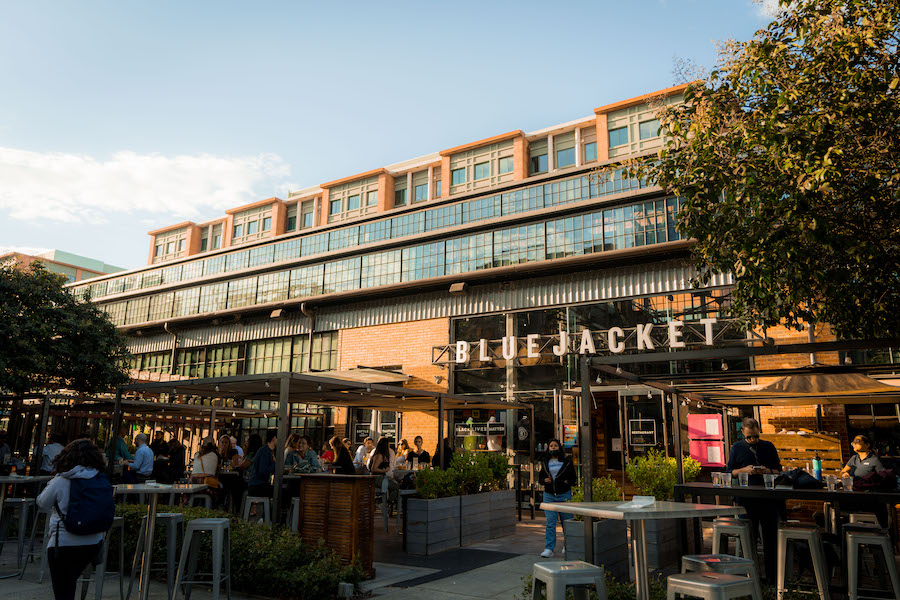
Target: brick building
(514, 237)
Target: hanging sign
(360, 432)
(642, 432)
(570, 436)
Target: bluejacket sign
(674, 334)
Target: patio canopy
(810, 388)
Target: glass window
(308, 219)
(170, 247)
(482, 170)
(291, 224)
(382, 268)
(306, 281)
(158, 251)
(262, 255)
(565, 158)
(421, 193)
(353, 202)
(590, 152)
(335, 207)
(422, 262)
(649, 129)
(437, 188)
(204, 243)
(267, 224)
(371, 198)
(238, 231)
(399, 197)
(342, 275)
(217, 241)
(505, 165)
(251, 227)
(618, 136)
(273, 287)
(539, 164)
(457, 176)
(180, 245)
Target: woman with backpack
(81, 507)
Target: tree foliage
(787, 158)
(52, 340)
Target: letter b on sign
(462, 352)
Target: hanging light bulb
(599, 380)
(848, 360)
(684, 402)
(217, 387)
(649, 395)
(267, 383)
(618, 369)
(724, 365)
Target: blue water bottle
(817, 467)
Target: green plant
(603, 489)
(468, 473)
(266, 561)
(656, 474)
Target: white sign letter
(462, 352)
(509, 347)
(531, 341)
(563, 346)
(615, 345)
(587, 343)
(643, 337)
(675, 334)
(708, 323)
(483, 351)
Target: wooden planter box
(662, 543)
(610, 544)
(433, 526)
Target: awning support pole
(114, 432)
(284, 396)
(679, 451)
(442, 459)
(41, 437)
(587, 455)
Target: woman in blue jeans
(558, 476)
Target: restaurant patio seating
(266, 503)
(722, 563)
(221, 557)
(560, 575)
(855, 537)
(99, 576)
(711, 586)
(734, 528)
(787, 536)
(174, 524)
(24, 507)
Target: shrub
(603, 489)
(468, 473)
(656, 474)
(265, 561)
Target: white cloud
(23, 250)
(77, 188)
(767, 8)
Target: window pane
(457, 176)
(400, 198)
(335, 207)
(505, 165)
(482, 170)
(308, 219)
(371, 198)
(421, 193)
(590, 151)
(291, 224)
(649, 129)
(437, 188)
(267, 224)
(353, 202)
(251, 227)
(565, 158)
(238, 231)
(618, 137)
(539, 164)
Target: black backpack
(91, 506)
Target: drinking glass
(415, 463)
(831, 482)
(744, 479)
(716, 479)
(769, 479)
(847, 482)
(726, 479)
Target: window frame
(454, 180)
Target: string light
(724, 365)
(618, 370)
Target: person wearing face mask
(757, 457)
(558, 476)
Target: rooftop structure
(73, 266)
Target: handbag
(799, 480)
(211, 482)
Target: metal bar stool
(35, 549)
(722, 563)
(855, 537)
(812, 536)
(710, 586)
(734, 528)
(24, 507)
(558, 576)
(294, 515)
(266, 503)
(174, 524)
(221, 557)
(99, 576)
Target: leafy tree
(53, 340)
(787, 158)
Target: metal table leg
(144, 588)
(641, 570)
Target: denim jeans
(550, 537)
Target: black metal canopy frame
(301, 388)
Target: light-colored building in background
(73, 267)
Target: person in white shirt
(364, 452)
(234, 444)
(50, 452)
(381, 464)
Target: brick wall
(406, 344)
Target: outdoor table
(635, 518)
(153, 491)
(6, 480)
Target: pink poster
(710, 453)
(705, 427)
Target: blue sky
(120, 117)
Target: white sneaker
(547, 553)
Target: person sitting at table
(363, 453)
(159, 445)
(206, 461)
(118, 447)
(263, 467)
(381, 465)
(558, 476)
(238, 449)
(448, 454)
(50, 452)
(418, 452)
(403, 452)
(327, 455)
(291, 456)
(343, 462)
(304, 457)
(227, 453)
(757, 457)
(863, 463)
(176, 461)
(68, 554)
(142, 467)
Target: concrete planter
(432, 525)
(610, 544)
(662, 544)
